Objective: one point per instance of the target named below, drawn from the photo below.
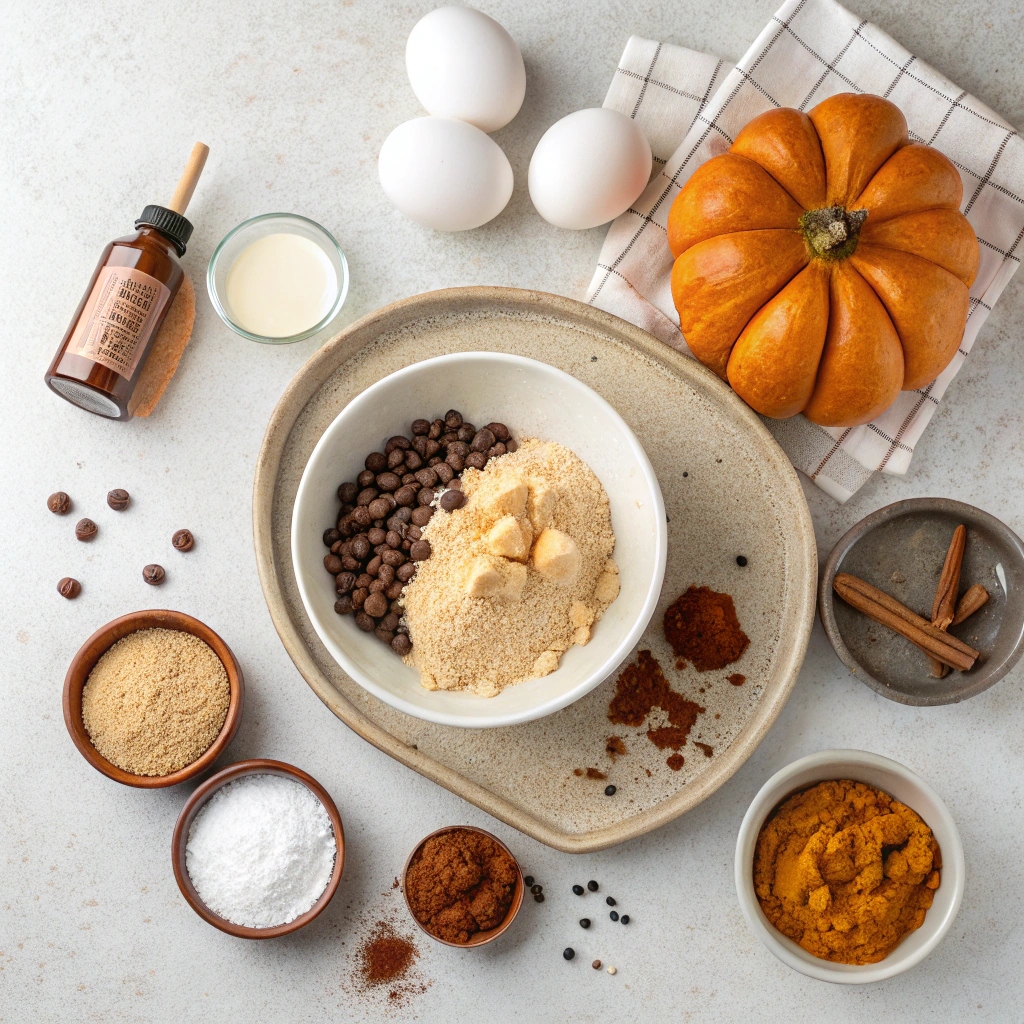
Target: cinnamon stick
(889, 612)
(944, 604)
(974, 597)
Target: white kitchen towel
(691, 106)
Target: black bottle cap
(168, 223)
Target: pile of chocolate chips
(378, 541)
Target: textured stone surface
(102, 102)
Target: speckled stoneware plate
(729, 491)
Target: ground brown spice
(705, 748)
(384, 956)
(614, 747)
(459, 883)
(702, 625)
(591, 773)
(675, 762)
(642, 687)
(736, 679)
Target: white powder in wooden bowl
(516, 576)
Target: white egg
(463, 64)
(588, 168)
(444, 173)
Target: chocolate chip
(343, 606)
(390, 621)
(419, 446)
(406, 572)
(392, 557)
(413, 533)
(376, 462)
(376, 605)
(401, 644)
(511, 445)
(453, 419)
(361, 516)
(373, 565)
(118, 499)
(421, 516)
(344, 582)
(451, 500)
(499, 430)
(483, 440)
(377, 587)
(459, 448)
(85, 529)
(476, 460)
(363, 580)
(396, 458)
(420, 427)
(359, 595)
(386, 574)
(393, 538)
(436, 430)
(379, 508)
(427, 477)
(406, 495)
(388, 482)
(496, 451)
(366, 495)
(466, 432)
(376, 536)
(59, 503)
(398, 441)
(360, 546)
(431, 448)
(456, 462)
(444, 472)
(182, 540)
(69, 587)
(333, 564)
(394, 591)
(365, 623)
(408, 478)
(384, 635)
(420, 551)
(447, 438)
(435, 461)
(412, 461)
(330, 536)
(347, 493)
(425, 496)
(154, 575)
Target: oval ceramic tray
(729, 491)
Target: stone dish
(900, 549)
(729, 490)
(538, 401)
(899, 782)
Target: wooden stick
(189, 178)
(944, 604)
(975, 597)
(888, 612)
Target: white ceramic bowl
(899, 782)
(534, 400)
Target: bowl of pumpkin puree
(849, 867)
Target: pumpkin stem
(831, 232)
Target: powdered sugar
(261, 851)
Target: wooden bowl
(98, 644)
(480, 938)
(256, 766)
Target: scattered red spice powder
(705, 748)
(736, 679)
(668, 737)
(701, 625)
(590, 773)
(614, 747)
(385, 956)
(675, 762)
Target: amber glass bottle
(100, 359)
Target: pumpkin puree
(846, 871)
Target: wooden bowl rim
(253, 766)
(99, 643)
(481, 938)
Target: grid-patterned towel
(691, 107)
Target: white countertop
(102, 102)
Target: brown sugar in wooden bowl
(196, 802)
(480, 938)
(99, 643)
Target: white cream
(280, 286)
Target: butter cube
(607, 587)
(541, 506)
(580, 614)
(484, 579)
(545, 664)
(556, 556)
(509, 540)
(511, 499)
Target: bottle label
(123, 308)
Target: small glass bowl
(249, 231)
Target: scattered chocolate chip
(413, 462)
(451, 500)
(420, 550)
(497, 451)
(376, 605)
(597, 963)
(344, 582)
(365, 623)
(379, 508)
(436, 430)
(483, 440)
(396, 458)
(69, 588)
(499, 430)
(453, 419)
(154, 574)
(118, 499)
(420, 428)
(511, 445)
(343, 606)
(444, 472)
(347, 493)
(398, 441)
(593, 886)
(388, 482)
(406, 571)
(568, 952)
(401, 644)
(85, 529)
(365, 479)
(406, 495)
(330, 536)
(59, 503)
(376, 462)
(333, 564)
(476, 460)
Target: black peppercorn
(118, 499)
(614, 915)
(184, 541)
(535, 889)
(528, 880)
(609, 791)
(584, 922)
(741, 561)
(568, 952)
(593, 886)
(610, 901)
(538, 897)
(625, 919)
(578, 889)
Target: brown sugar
(385, 956)
(155, 701)
(701, 625)
(459, 883)
(675, 762)
(736, 679)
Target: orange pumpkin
(822, 263)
